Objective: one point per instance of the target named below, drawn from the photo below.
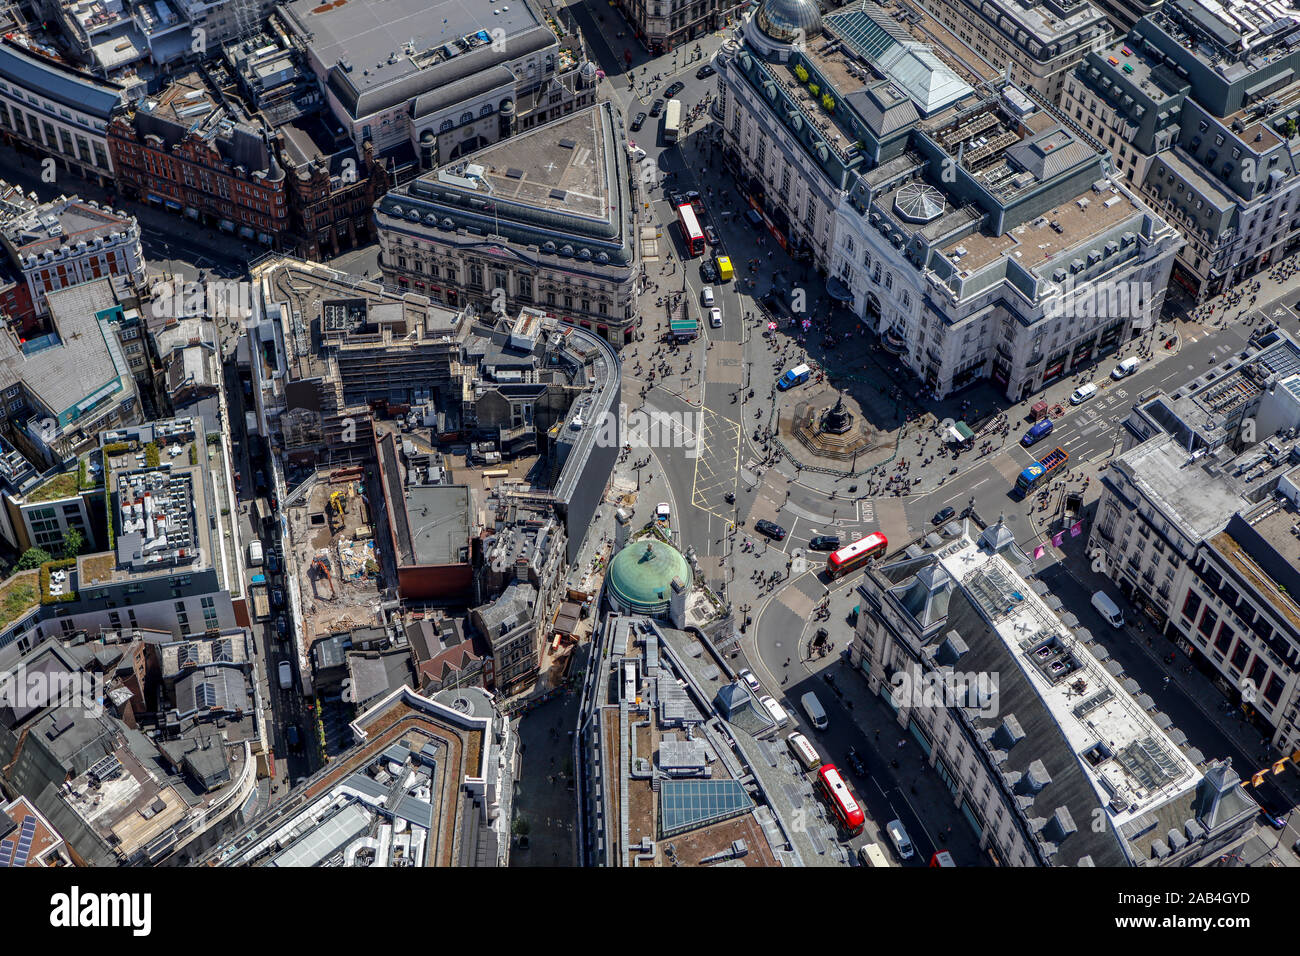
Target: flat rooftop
(701, 805)
(1222, 394)
(367, 33)
(63, 222)
(162, 512)
(1167, 474)
(439, 517)
(1048, 240)
(1130, 64)
(560, 167)
(1276, 530)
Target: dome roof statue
(641, 575)
(787, 21)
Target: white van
(286, 675)
(804, 751)
(254, 554)
(871, 855)
(813, 708)
(1083, 393)
(779, 716)
(1108, 609)
(1126, 367)
(898, 836)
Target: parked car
(943, 516)
(777, 712)
(769, 528)
(281, 625)
(705, 71)
(272, 562)
(638, 121)
(711, 234)
(748, 677)
(277, 597)
(715, 318)
(674, 89)
(656, 107)
(286, 675)
(292, 737)
(825, 542)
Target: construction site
(335, 554)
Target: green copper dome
(641, 575)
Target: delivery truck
(258, 591)
(1108, 609)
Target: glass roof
(688, 804)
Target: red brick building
(188, 151)
(332, 190)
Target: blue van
(1040, 430)
(795, 376)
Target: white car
(1126, 368)
(779, 716)
(1083, 393)
(749, 678)
(706, 295)
(898, 836)
(715, 318)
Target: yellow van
(725, 272)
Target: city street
(740, 475)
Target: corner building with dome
(971, 226)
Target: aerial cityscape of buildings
(650, 433)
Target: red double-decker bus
(692, 234)
(856, 554)
(840, 797)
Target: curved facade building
(640, 578)
(547, 218)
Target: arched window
(466, 117)
(486, 110)
(445, 126)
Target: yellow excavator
(335, 511)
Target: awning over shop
(173, 204)
(960, 432)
